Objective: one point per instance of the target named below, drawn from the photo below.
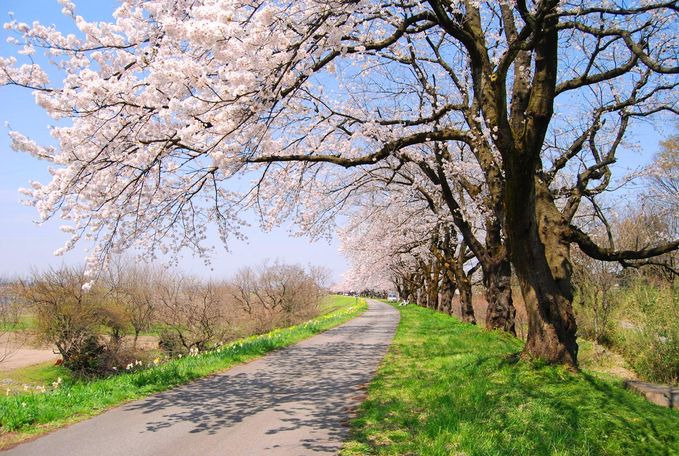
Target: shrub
(87, 359)
(132, 287)
(194, 314)
(73, 317)
(649, 334)
(88, 322)
(66, 315)
(595, 298)
(170, 342)
(278, 294)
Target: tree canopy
(520, 106)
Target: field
(332, 303)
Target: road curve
(294, 401)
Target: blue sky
(24, 246)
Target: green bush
(634, 314)
(593, 312)
(648, 331)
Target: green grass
(449, 388)
(38, 374)
(23, 323)
(22, 415)
(331, 303)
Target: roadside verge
(447, 387)
(26, 415)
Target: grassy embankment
(332, 303)
(24, 415)
(449, 388)
(35, 375)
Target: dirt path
(19, 353)
(24, 357)
(294, 401)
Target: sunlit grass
(23, 323)
(37, 374)
(449, 388)
(331, 303)
(29, 413)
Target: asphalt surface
(295, 401)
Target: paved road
(295, 401)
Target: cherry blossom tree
(663, 181)
(401, 236)
(386, 241)
(165, 106)
(444, 252)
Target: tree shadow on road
(313, 385)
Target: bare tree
(193, 313)
(132, 285)
(278, 294)
(67, 315)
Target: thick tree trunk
(400, 290)
(542, 266)
(501, 313)
(466, 308)
(433, 287)
(422, 297)
(464, 286)
(423, 293)
(410, 294)
(447, 293)
(551, 324)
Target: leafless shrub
(278, 294)
(193, 313)
(67, 315)
(88, 322)
(132, 286)
(595, 282)
(73, 315)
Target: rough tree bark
(433, 286)
(501, 313)
(464, 285)
(551, 322)
(541, 263)
(448, 288)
